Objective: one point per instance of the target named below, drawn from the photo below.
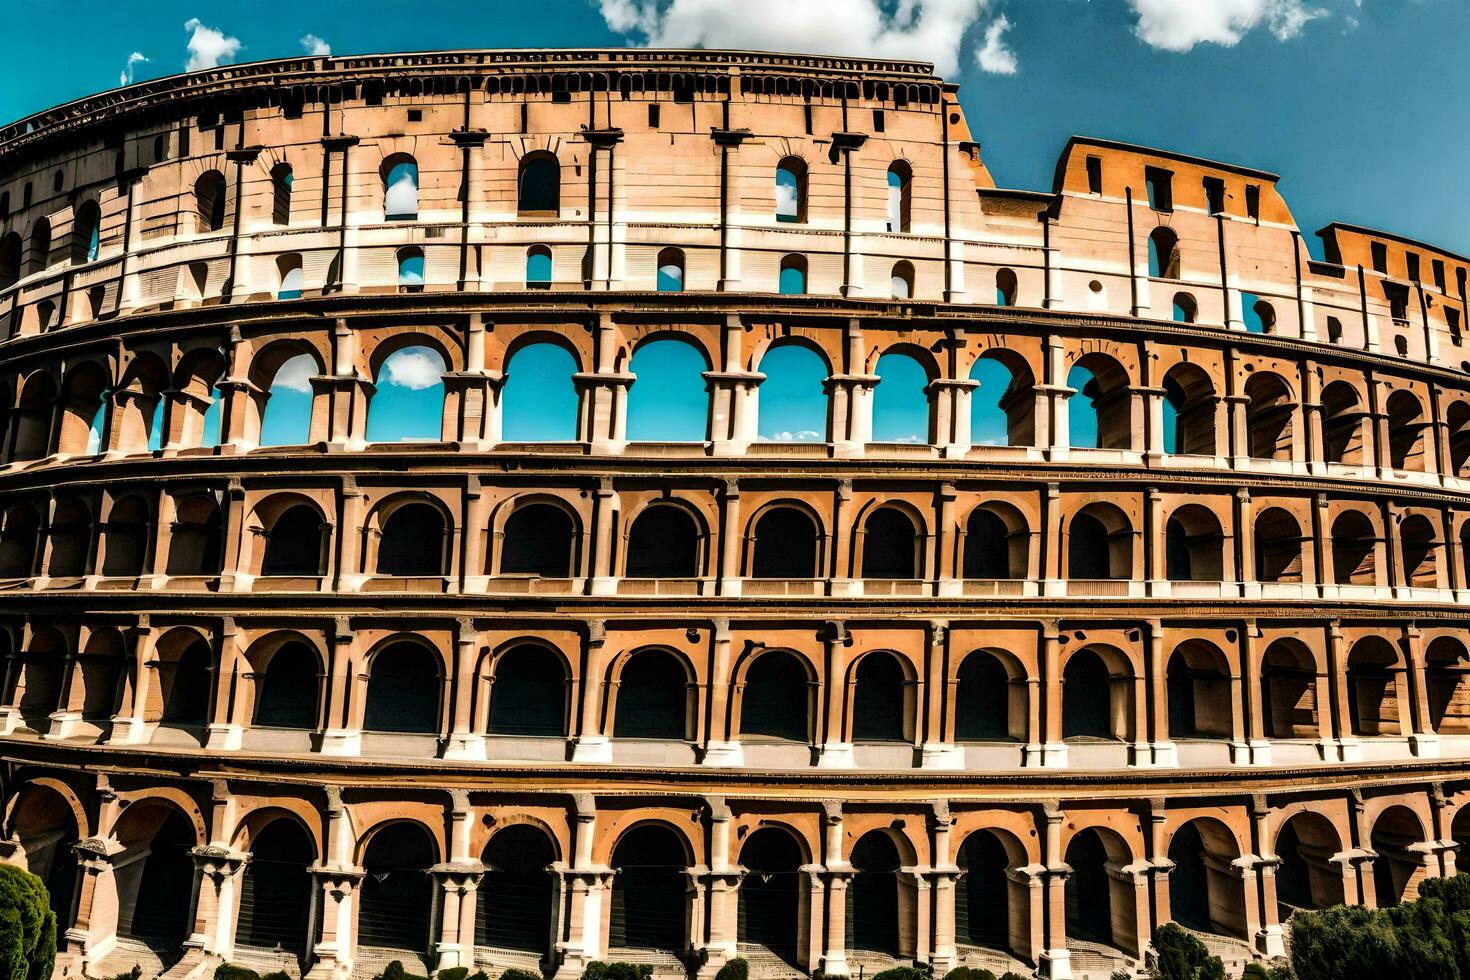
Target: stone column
(1054, 960)
(218, 875)
(585, 887)
(590, 743)
(1053, 749)
(224, 731)
(732, 538)
(936, 750)
(837, 872)
(949, 408)
(850, 401)
(721, 886)
(464, 742)
(943, 874)
(722, 747)
(341, 736)
(95, 924)
(1269, 939)
(733, 402)
(128, 726)
(604, 519)
(1423, 740)
(458, 883)
(1165, 753)
(603, 397)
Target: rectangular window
(1094, 175)
(808, 109)
(1438, 268)
(184, 139)
(1215, 194)
(1253, 202)
(1413, 258)
(1160, 185)
(653, 115)
(1379, 252)
(1452, 320)
(877, 120)
(415, 115)
(1398, 300)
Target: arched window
(287, 418)
(400, 188)
(538, 539)
(1198, 690)
(792, 280)
(86, 233)
(538, 402)
(1419, 545)
(1100, 413)
(671, 271)
(516, 901)
(397, 892)
(1189, 411)
(413, 541)
(776, 699)
(1186, 310)
(10, 253)
(668, 401)
(1342, 424)
(209, 201)
(408, 402)
(1003, 407)
(649, 891)
(901, 401)
(985, 914)
(1278, 547)
(20, 531)
(161, 899)
(784, 545)
(1269, 417)
(286, 693)
(184, 680)
(873, 906)
(1099, 544)
(890, 545)
(663, 542)
(288, 267)
(988, 706)
(539, 186)
(1163, 254)
(1006, 288)
(40, 246)
(1373, 672)
(1406, 427)
(793, 400)
(281, 180)
(652, 697)
(1260, 316)
(902, 281)
(1088, 691)
(196, 545)
(276, 888)
(295, 543)
(1354, 544)
(880, 692)
(403, 691)
(996, 543)
(529, 694)
(770, 893)
(125, 538)
(1193, 545)
(1289, 691)
(791, 190)
(411, 269)
(538, 267)
(1446, 673)
(900, 196)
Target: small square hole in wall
(415, 115)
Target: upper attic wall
(1123, 166)
(1395, 257)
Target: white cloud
(414, 368)
(995, 55)
(125, 77)
(403, 194)
(208, 46)
(295, 374)
(786, 200)
(1178, 25)
(316, 47)
(925, 30)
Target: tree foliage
(1177, 955)
(27, 926)
(1426, 939)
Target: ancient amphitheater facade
(1161, 622)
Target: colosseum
(1033, 567)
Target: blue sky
(1358, 104)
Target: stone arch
(654, 692)
(100, 667)
(530, 686)
(1007, 417)
(1194, 545)
(1163, 253)
(20, 540)
(1307, 876)
(71, 535)
(1101, 412)
(404, 687)
(1399, 864)
(900, 400)
(275, 896)
(992, 697)
(396, 895)
(1099, 893)
(1099, 543)
(1279, 541)
(538, 185)
(539, 400)
(414, 535)
(46, 819)
(1447, 667)
(792, 404)
(1087, 712)
(196, 543)
(1289, 691)
(406, 402)
(283, 689)
(665, 539)
(771, 911)
(296, 536)
(1376, 688)
(786, 541)
(84, 391)
(997, 542)
(649, 909)
(1420, 549)
(1191, 410)
(1406, 427)
(992, 898)
(874, 894)
(1343, 417)
(1355, 542)
(777, 694)
(155, 894)
(891, 543)
(516, 908)
(883, 700)
(39, 680)
(1270, 416)
(675, 406)
(1206, 891)
(126, 537)
(184, 678)
(211, 202)
(1457, 424)
(137, 404)
(399, 173)
(536, 535)
(31, 422)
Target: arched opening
(890, 545)
(1205, 891)
(101, 665)
(785, 545)
(672, 405)
(281, 180)
(648, 894)
(209, 201)
(1342, 424)
(1097, 697)
(71, 538)
(1100, 414)
(86, 233)
(791, 190)
(983, 914)
(1194, 545)
(1278, 547)
(1447, 665)
(1419, 548)
(20, 537)
(670, 278)
(397, 894)
(997, 543)
(529, 693)
(295, 543)
(771, 893)
(155, 900)
(286, 691)
(1374, 670)
(85, 396)
(539, 267)
(403, 691)
(290, 276)
(1099, 544)
(40, 246)
(1186, 310)
(901, 401)
(1406, 425)
(10, 256)
(196, 546)
(1457, 421)
(286, 419)
(32, 418)
(400, 188)
(1354, 549)
(1260, 316)
(1003, 406)
(45, 825)
(990, 702)
(1270, 413)
(872, 910)
(1163, 254)
(408, 402)
(652, 697)
(901, 280)
(900, 197)
(39, 679)
(1398, 866)
(776, 699)
(540, 540)
(413, 541)
(792, 405)
(1098, 906)
(276, 889)
(792, 278)
(1006, 288)
(184, 683)
(1190, 404)
(539, 186)
(538, 402)
(516, 907)
(663, 542)
(411, 269)
(1198, 689)
(880, 700)
(1289, 691)
(1306, 877)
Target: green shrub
(969, 973)
(736, 969)
(228, 971)
(278, 975)
(1013, 975)
(901, 973)
(27, 926)
(396, 971)
(132, 974)
(453, 973)
(514, 973)
(1262, 971)
(598, 970)
(1177, 955)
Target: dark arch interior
(770, 892)
(1189, 887)
(412, 542)
(286, 692)
(982, 900)
(1198, 693)
(1088, 546)
(397, 892)
(161, 911)
(1086, 701)
(403, 691)
(774, 702)
(878, 700)
(988, 551)
(275, 894)
(872, 907)
(1088, 896)
(652, 697)
(293, 545)
(785, 545)
(126, 538)
(517, 895)
(890, 546)
(538, 540)
(648, 898)
(186, 686)
(196, 546)
(540, 185)
(529, 694)
(1289, 694)
(663, 543)
(982, 701)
